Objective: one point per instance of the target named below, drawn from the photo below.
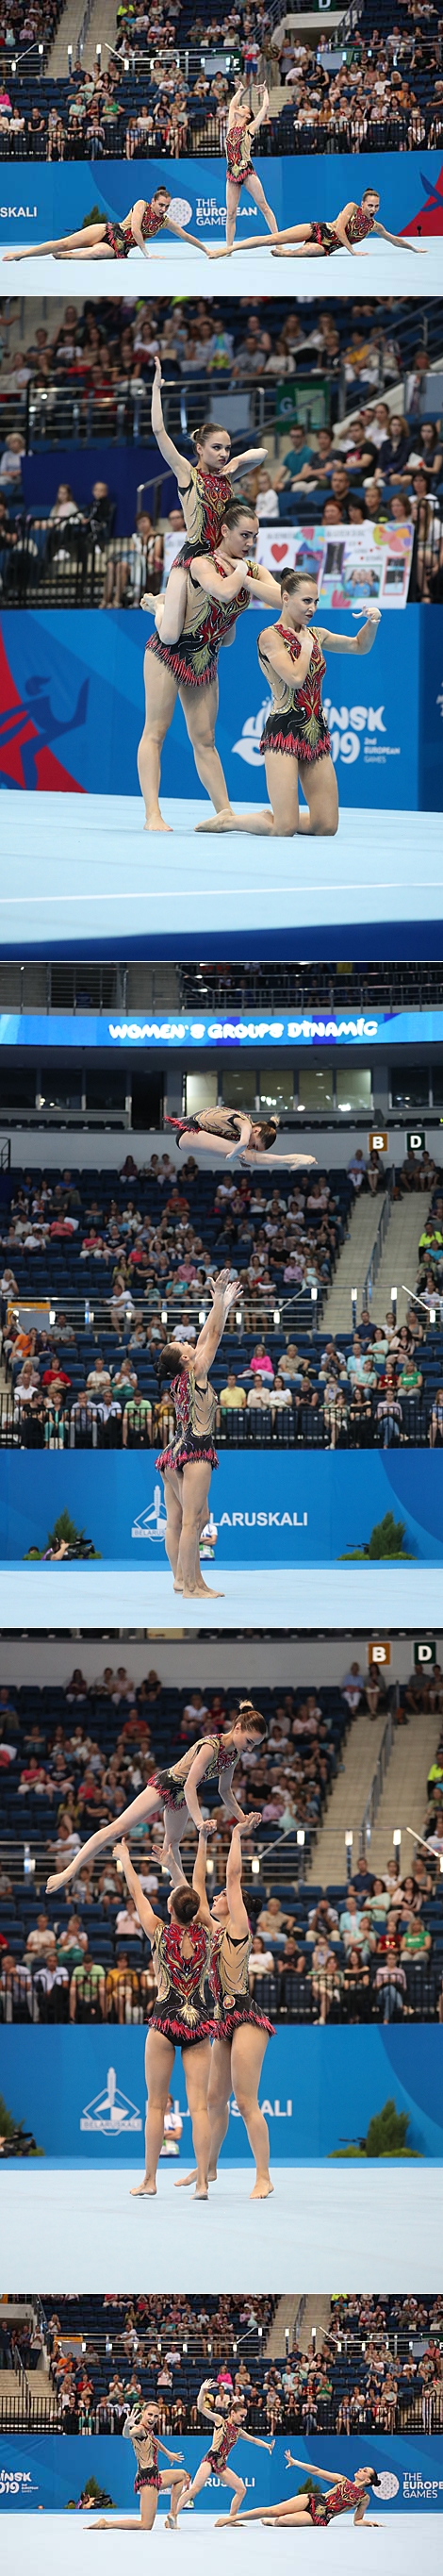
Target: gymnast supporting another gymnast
(227, 2418)
(228, 1132)
(219, 588)
(242, 2030)
(299, 2512)
(112, 240)
(205, 491)
(296, 742)
(174, 1793)
(140, 2429)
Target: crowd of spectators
(356, 986)
(369, 1948)
(378, 2366)
(88, 382)
(149, 1245)
(157, 95)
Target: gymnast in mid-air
(237, 1137)
(175, 1793)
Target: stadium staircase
(316, 2312)
(283, 2322)
(346, 1805)
(101, 31)
(403, 1799)
(399, 1260)
(353, 1264)
(67, 33)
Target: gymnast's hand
(247, 1821)
(158, 378)
(121, 1851)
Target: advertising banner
(72, 709)
(49, 2474)
(47, 199)
(388, 1029)
(354, 566)
(270, 1508)
(81, 2090)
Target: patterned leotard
(194, 659)
(181, 2011)
(323, 2509)
(204, 501)
(356, 230)
(120, 238)
(171, 1783)
(296, 723)
(226, 2433)
(146, 2452)
(229, 1985)
(195, 1407)
(238, 154)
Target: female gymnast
(205, 491)
(186, 1464)
(218, 589)
(140, 2429)
(238, 1138)
(346, 231)
(227, 2417)
(181, 1956)
(301, 2511)
(296, 741)
(240, 173)
(113, 240)
(242, 2030)
(175, 1792)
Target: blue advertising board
(48, 2473)
(41, 199)
(72, 695)
(293, 1508)
(81, 2090)
(387, 1029)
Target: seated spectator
(232, 1396)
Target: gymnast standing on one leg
(242, 2031)
(113, 240)
(296, 743)
(227, 2417)
(346, 231)
(301, 2511)
(181, 1956)
(205, 491)
(140, 2429)
(175, 1792)
(219, 588)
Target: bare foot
(201, 2191)
(225, 821)
(178, 1586)
(184, 2181)
(143, 2190)
(154, 823)
(262, 2188)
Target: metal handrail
(377, 1248)
(371, 1808)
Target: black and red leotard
(297, 723)
(193, 660)
(323, 2509)
(181, 2011)
(356, 231)
(238, 155)
(120, 239)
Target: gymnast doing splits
(219, 588)
(242, 2030)
(205, 491)
(299, 2512)
(140, 2428)
(296, 743)
(346, 231)
(230, 1133)
(112, 240)
(226, 2416)
(173, 1793)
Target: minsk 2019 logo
(152, 1522)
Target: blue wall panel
(49, 2473)
(47, 200)
(318, 2088)
(294, 1507)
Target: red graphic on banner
(26, 758)
(429, 220)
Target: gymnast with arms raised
(227, 2417)
(301, 2511)
(205, 490)
(140, 2428)
(242, 2030)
